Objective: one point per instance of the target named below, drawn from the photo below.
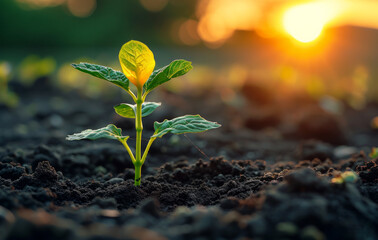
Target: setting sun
(306, 22)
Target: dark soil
(279, 186)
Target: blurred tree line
(111, 22)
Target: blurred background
(268, 57)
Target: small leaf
(374, 152)
(105, 73)
(184, 124)
(129, 110)
(137, 62)
(174, 69)
(148, 108)
(109, 132)
(125, 110)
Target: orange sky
(218, 19)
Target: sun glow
(305, 22)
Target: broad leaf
(109, 132)
(137, 62)
(184, 124)
(174, 69)
(129, 110)
(106, 73)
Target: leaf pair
(137, 62)
(129, 110)
(179, 125)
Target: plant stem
(3, 84)
(138, 174)
(124, 143)
(147, 149)
(131, 94)
(139, 129)
(145, 95)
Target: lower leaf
(109, 132)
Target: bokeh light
(154, 5)
(78, 8)
(218, 18)
(303, 20)
(374, 122)
(33, 67)
(81, 8)
(41, 3)
(306, 22)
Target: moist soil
(266, 174)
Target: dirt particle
(11, 172)
(45, 172)
(304, 180)
(150, 207)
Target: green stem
(124, 143)
(145, 95)
(138, 174)
(131, 94)
(3, 85)
(152, 139)
(139, 129)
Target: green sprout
(374, 152)
(7, 97)
(34, 67)
(345, 177)
(138, 63)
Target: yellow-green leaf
(374, 152)
(137, 62)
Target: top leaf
(109, 132)
(106, 73)
(137, 62)
(184, 124)
(174, 69)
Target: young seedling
(374, 152)
(7, 97)
(138, 63)
(345, 177)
